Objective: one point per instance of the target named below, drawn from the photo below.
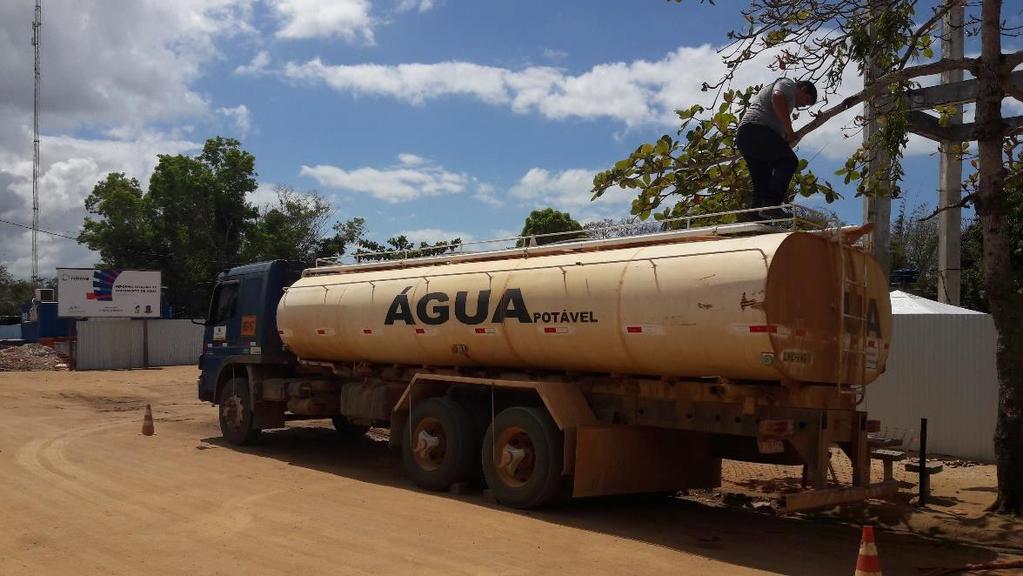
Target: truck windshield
(224, 300)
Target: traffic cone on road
(868, 563)
(147, 422)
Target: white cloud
(637, 93)
(256, 67)
(71, 168)
(241, 117)
(410, 159)
(554, 55)
(487, 194)
(349, 20)
(412, 178)
(431, 235)
(569, 191)
(419, 5)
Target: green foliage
(346, 235)
(914, 245)
(701, 172)
(288, 229)
(550, 221)
(400, 248)
(13, 293)
(191, 223)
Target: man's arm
(782, 111)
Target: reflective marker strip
(420, 330)
(800, 332)
(634, 329)
(485, 331)
(367, 331)
(321, 331)
(768, 328)
(555, 330)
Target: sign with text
(91, 293)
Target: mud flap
(613, 459)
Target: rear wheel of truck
(439, 446)
(522, 458)
(346, 430)
(236, 413)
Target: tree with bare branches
(890, 45)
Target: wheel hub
(234, 412)
(431, 444)
(517, 457)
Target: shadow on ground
(802, 545)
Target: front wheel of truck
(236, 413)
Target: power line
(37, 229)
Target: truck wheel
(439, 447)
(346, 430)
(522, 458)
(236, 413)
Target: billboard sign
(91, 293)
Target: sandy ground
(82, 492)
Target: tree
(549, 221)
(914, 246)
(400, 248)
(13, 293)
(346, 235)
(886, 42)
(288, 229)
(190, 224)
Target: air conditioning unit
(46, 295)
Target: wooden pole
(877, 203)
(925, 480)
(950, 220)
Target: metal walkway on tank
(708, 226)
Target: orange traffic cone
(868, 563)
(147, 422)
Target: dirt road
(82, 492)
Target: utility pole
(951, 171)
(877, 203)
(37, 25)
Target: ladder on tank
(852, 345)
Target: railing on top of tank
(764, 220)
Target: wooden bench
(931, 468)
(888, 457)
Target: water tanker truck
(577, 369)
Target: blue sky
(434, 118)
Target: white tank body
(765, 307)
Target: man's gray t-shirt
(761, 109)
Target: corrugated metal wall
(118, 344)
(941, 367)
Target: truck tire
(439, 446)
(236, 413)
(522, 458)
(346, 430)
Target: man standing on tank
(765, 139)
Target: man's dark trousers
(771, 163)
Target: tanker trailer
(582, 369)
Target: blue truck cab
(241, 326)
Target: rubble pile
(31, 357)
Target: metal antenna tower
(37, 25)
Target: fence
(121, 344)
